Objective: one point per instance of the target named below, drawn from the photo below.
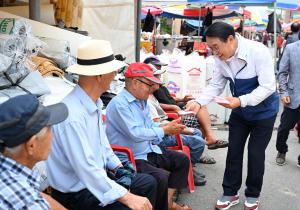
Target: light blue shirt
(128, 124)
(81, 152)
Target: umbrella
(153, 10)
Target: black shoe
(198, 174)
(199, 181)
(280, 159)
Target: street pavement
(281, 188)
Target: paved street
(281, 189)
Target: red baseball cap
(141, 70)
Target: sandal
(176, 206)
(207, 160)
(218, 144)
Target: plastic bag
(19, 46)
(124, 175)
(58, 51)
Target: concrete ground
(281, 189)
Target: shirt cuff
(243, 100)
(111, 196)
(156, 124)
(284, 94)
(113, 162)
(159, 131)
(198, 102)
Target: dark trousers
(260, 134)
(143, 185)
(170, 171)
(288, 120)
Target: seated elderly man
(25, 139)
(129, 124)
(82, 158)
(201, 120)
(191, 137)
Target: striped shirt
(19, 187)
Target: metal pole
(275, 36)
(138, 30)
(34, 10)
(199, 21)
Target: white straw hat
(95, 57)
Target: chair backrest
(126, 150)
(174, 116)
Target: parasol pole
(138, 30)
(199, 20)
(275, 35)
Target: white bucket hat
(156, 71)
(95, 57)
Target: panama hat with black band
(95, 57)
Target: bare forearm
(54, 205)
(169, 107)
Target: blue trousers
(195, 142)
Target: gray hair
(128, 82)
(15, 150)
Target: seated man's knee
(149, 181)
(162, 177)
(184, 160)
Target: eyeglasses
(215, 49)
(150, 86)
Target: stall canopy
(181, 12)
(283, 4)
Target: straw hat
(95, 57)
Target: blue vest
(266, 109)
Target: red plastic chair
(185, 150)
(126, 150)
(123, 149)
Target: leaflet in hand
(185, 113)
(221, 100)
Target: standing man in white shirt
(248, 66)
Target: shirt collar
(86, 100)
(11, 165)
(129, 97)
(240, 52)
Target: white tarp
(44, 30)
(112, 20)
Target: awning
(283, 4)
(181, 12)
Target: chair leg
(191, 182)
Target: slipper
(207, 160)
(176, 206)
(218, 144)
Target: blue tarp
(284, 4)
(173, 15)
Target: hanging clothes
(240, 28)
(208, 18)
(270, 26)
(149, 22)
